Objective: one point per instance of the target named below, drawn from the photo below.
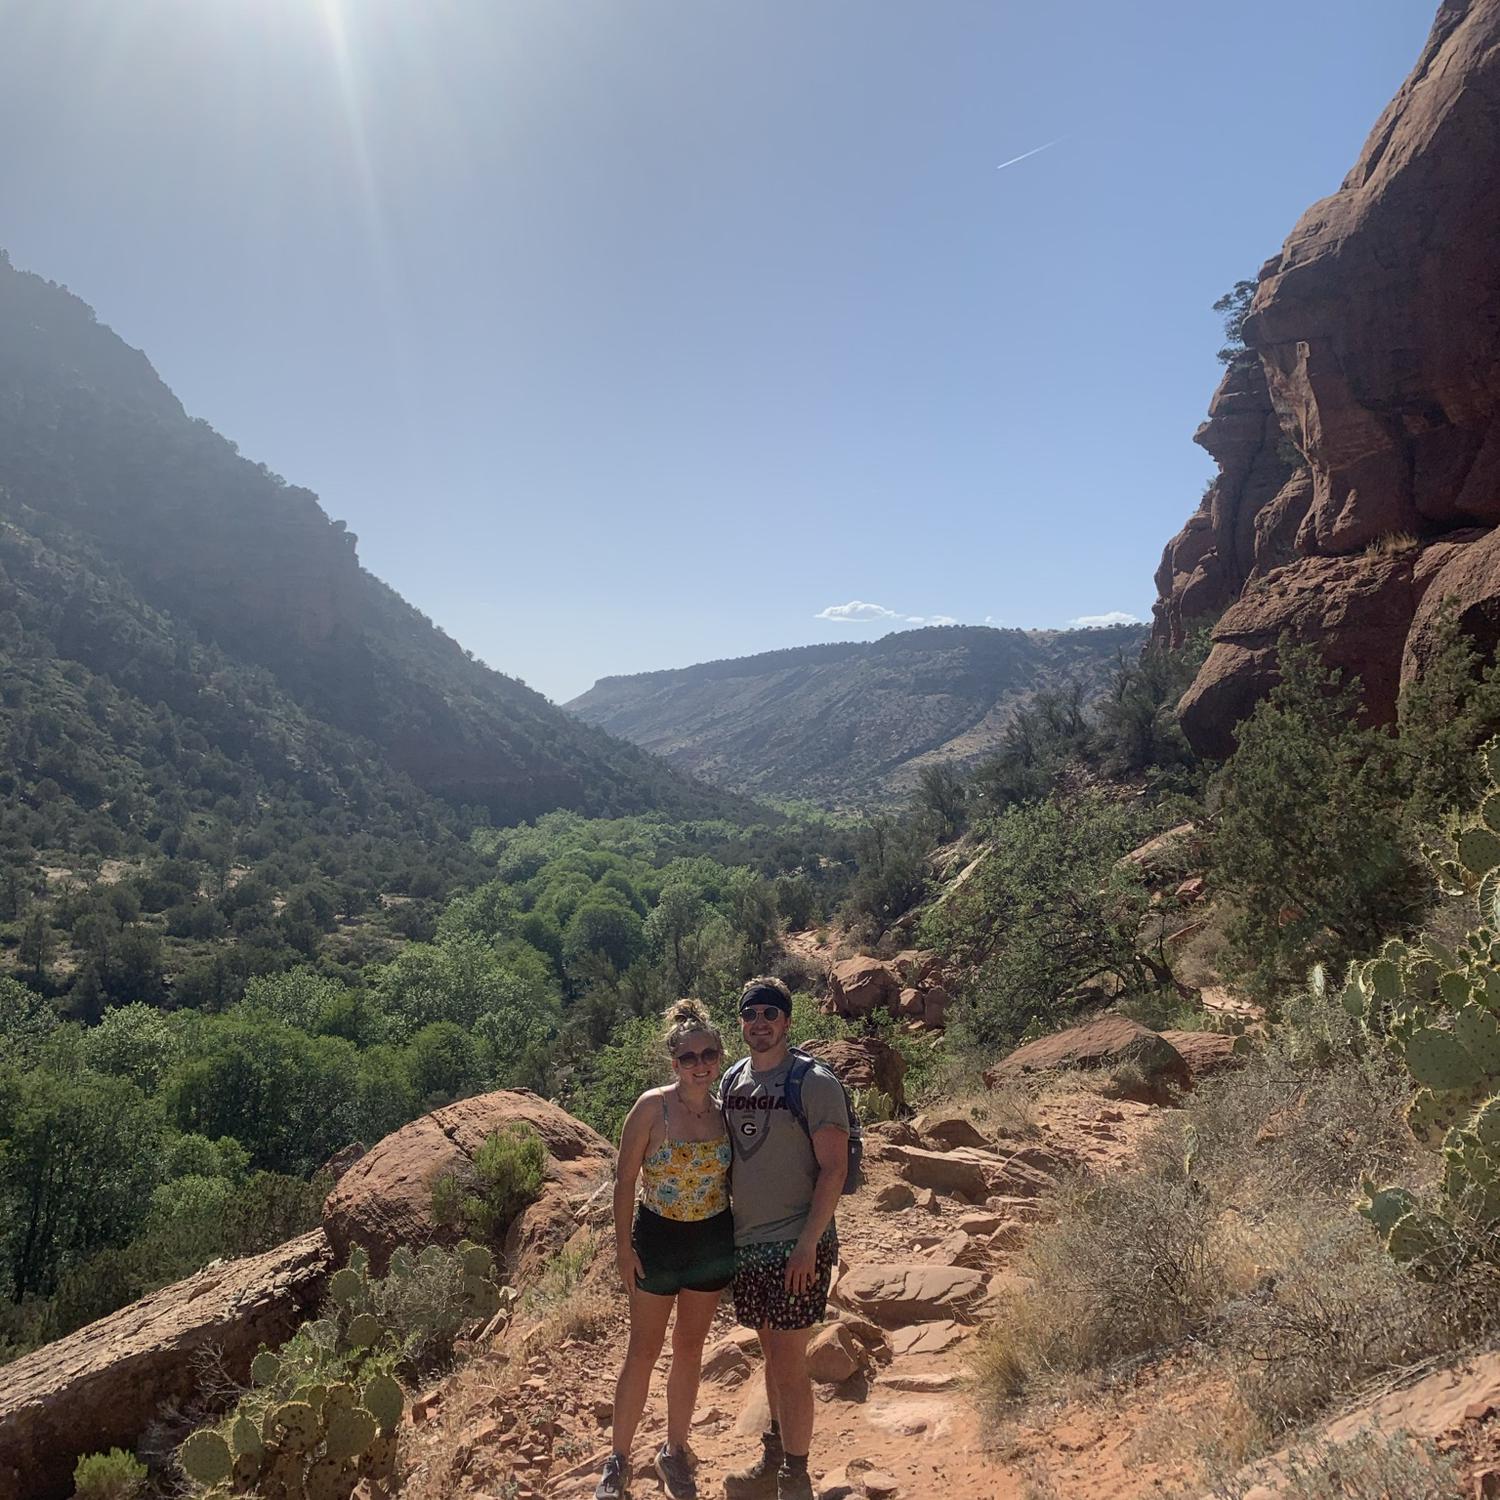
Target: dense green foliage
(1048, 911)
(1309, 846)
(136, 1146)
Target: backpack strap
(803, 1064)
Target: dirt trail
(517, 1426)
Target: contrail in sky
(1022, 157)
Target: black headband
(766, 994)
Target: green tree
(1048, 910)
(1234, 307)
(290, 1099)
(1445, 714)
(943, 793)
(672, 933)
(600, 929)
(136, 1042)
(1308, 847)
(80, 1159)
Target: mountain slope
(848, 722)
(126, 507)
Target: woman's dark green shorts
(683, 1255)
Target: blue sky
(628, 334)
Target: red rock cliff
(1359, 443)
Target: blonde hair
(683, 1018)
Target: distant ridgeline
(148, 568)
(850, 722)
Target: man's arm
(830, 1145)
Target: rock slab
(101, 1386)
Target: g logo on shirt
(747, 1127)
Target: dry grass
(1008, 1111)
(567, 1301)
(1236, 1237)
(1392, 544)
(1373, 1466)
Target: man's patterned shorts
(761, 1299)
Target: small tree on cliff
(1234, 305)
(1309, 849)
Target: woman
(675, 1246)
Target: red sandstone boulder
(1208, 1051)
(385, 1199)
(864, 1062)
(103, 1385)
(1107, 1042)
(858, 986)
(893, 1296)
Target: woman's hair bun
(684, 1017)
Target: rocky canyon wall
(1358, 439)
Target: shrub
(508, 1171)
(1128, 1267)
(116, 1475)
(1049, 909)
(1309, 851)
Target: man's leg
(789, 1386)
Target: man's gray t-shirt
(774, 1173)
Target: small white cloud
(993, 620)
(856, 612)
(1114, 617)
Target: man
(784, 1186)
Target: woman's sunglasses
(709, 1055)
(760, 1013)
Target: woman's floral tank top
(686, 1180)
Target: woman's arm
(635, 1140)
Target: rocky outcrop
(1359, 438)
(1109, 1042)
(101, 1386)
(864, 1062)
(385, 1198)
(892, 1296)
(914, 986)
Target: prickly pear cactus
(205, 1457)
(1438, 1009)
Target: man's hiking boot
(614, 1483)
(794, 1484)
(758, 1482)
(675, 1471)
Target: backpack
(802, 1064)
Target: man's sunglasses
(709, 1055)
(760, 1012)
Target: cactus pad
(476, 1260)
(265, 1368)
(359, 1260)
(403, 1262)
(384, 1401)
(365, 1329)
(297, 1422)
(346, 1286)
(350, 1431)
(1439, 1060)
(205, 1457)
(329, 1479)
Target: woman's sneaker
(614, 1483)
(676, 1474)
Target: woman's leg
(648, 1329)
(695, 1312)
